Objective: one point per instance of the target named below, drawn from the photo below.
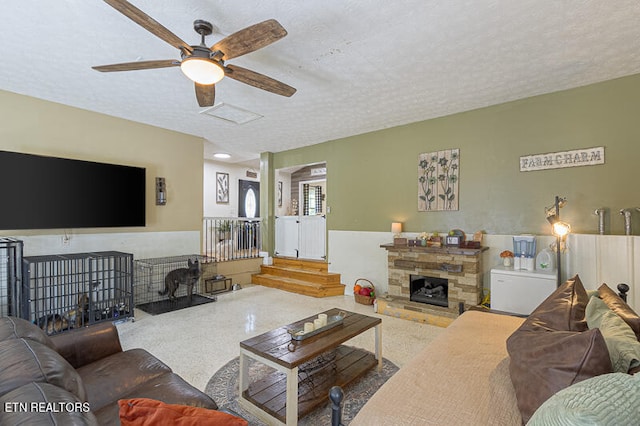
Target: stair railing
(231, 238)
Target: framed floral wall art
(222, 188)
(438, 174)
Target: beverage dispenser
(524, 252)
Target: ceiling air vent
(231, 113)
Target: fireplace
(429, 290)
(459, 270)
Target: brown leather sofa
(77, 377)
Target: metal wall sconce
(627, 219)
(601, 212)
(161, 191)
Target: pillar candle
(308, 327)
(323, 319)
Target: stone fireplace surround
(462, 267)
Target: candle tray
(332, 321)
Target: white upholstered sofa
(573, 361)
(461, 378)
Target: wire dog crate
(10, 276)
(150, 275)
(61, 292)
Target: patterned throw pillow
(609, 399)
(617, 305)
(624, 348)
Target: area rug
(166, 305)
(223, 388)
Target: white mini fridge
(520, 291)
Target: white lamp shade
(202, 70)
(396, 227)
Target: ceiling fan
(205, 66)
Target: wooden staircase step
(293, 285)
(314, 276)
(294, 263)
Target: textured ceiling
(358, 65)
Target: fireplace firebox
(429, 290)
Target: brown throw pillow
(619, 306)
(562, 310)
(553, 348)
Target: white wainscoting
(143, 245)
(610, 259)
(358, 255)
(597, 258)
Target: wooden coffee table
(278, 398)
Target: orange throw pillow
(148, 412)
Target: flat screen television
(40, 192)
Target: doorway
(249, 199)
(312, 197)
(301, 205)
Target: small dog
(55, 323)
(80, 316)
(185, 276)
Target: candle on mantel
(308, 327)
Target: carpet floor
(223, 388)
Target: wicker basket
(365, 300)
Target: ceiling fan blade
(260, 81)
(148, 23)
(140, 65)
(206, 94)
(250, 39)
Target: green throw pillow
(623, 347)
(608, 399)
(592, 293)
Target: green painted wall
(372, 178)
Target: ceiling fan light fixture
(202, 70)
(206, 65)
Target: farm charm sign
(559, 160)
